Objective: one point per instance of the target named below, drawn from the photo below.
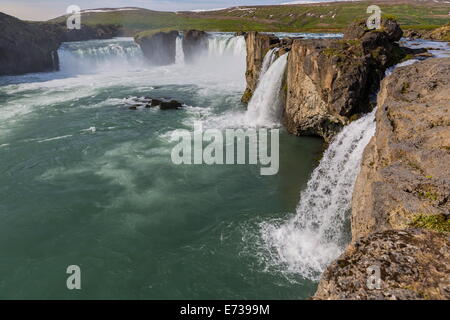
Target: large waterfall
(223, 44)
(265, 106)
(100, 55)
(123, 54)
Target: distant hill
(334, 16)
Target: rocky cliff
(195, 43)
(24, 47)
(401, 208)
(257, 46)
(159, 47)
(32, 47)
(439, 34)
(330, 82)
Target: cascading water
(179, 54)
(222, 45)
(264, 108)
(318, 232)
(100, 55)
(269, 58)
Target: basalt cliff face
(257, 46)
(330, 82)
(159, 48)
(32, 47)
(400, 207)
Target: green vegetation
(148, 33)
(438, 223)
(428, 195)
(321, 17)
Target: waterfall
(316, 235)
(319, 231)
(269, 58)
(179, 55)
(100, 55)
(221, 45)
(265, 106)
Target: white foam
(265, 106)
(316, 235)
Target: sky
(47, 9)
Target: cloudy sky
(47, 9)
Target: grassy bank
(321, 17)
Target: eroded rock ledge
(404, 183)
(329, 81)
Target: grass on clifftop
(320, 17)
(438, 223)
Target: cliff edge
(400, 207)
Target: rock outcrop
(400, 208)
(148, 102)
(195, 44)
(439, 34)
(413, 264)
(60, 32)
(25, 47)
(330, 82)
(257, 46)
(158, 47)
(405, 171)
(32, 47)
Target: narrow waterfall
(100, 55)
(269, 58)
(319, 231)
(316, 235)
(264, 108)
(179, 54)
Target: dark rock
(172, 104)
(155, 103)
(390, 30)
(32, 47)
(195, 44)
(25, 47)
(329, 81)
(159, 47)
(134, 107)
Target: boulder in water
(172, 104)
(148, 102)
